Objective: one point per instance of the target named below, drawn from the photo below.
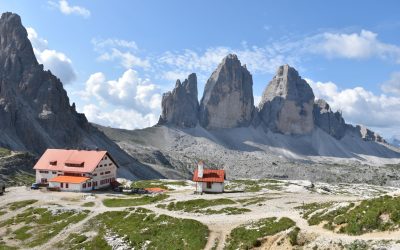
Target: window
(209, 184)
(94, 174)
(110, 164)
(101, 173)
(54, 172)
(100, 166)
(43, 172)
(84, 185)
(66, 185)
(107, 172)
(62, 185)
(105, 158)
(43, 180)
(53, 163)
(89, 184)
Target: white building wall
(215, 187)
(48, 176)
(99, 173)
(72, 187)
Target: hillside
(289, 134)
(35, 112)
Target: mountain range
(289, 134)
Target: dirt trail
(220, 225)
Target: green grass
(3, 246)
(139, 226)
(88, 204)
(157, 183)
(76, 241)
(38, 225)
(247, 236)
(226, 210)
(2, 212)
(4, 152)
(197, 205)
(20, 204)
(255, 185)
(116, 202)
(21, 178)
(22, 233)
(363, 218)
(293, 235)
(310, 208)
(252, 201)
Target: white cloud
(257, 59)
(392, 86)
(100, 44)
(129, 92)
(57, 62)
(123, 51)
(352, 46)
(67, 9)
(128, 102)
(127, 59)
(119, 118)
(360, 106)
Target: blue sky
(116, 58)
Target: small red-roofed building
(75, 170)
(209, 180)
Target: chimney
(200, 167)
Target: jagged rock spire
(181, 106)
(287, 103)
(228, 96)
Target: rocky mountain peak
(287, 103)
(14, 42)
(228, 100)
(288, 84)
(181, 106)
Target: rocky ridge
(35, 112)
(287, 106)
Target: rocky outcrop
(329, 121)
(35, 112)
(181, 106)
(287, 103)
(228, 96)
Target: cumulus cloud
(352, 46)
(57, 62)
(360, 106)
(64, 7)
(129, 92)
(128, 102)
(119, 117)
(392, 86)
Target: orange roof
(80, 161)
(210, 175)
(69, 179)
(155, 190)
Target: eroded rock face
(35, 112)
(181, 106)
(287, 103)
(228, 96)
(329, 121)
